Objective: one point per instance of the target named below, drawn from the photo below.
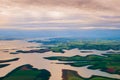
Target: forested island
(3, 63)
(61, 44)
(108, 63)
(73, 75)
(27, 72)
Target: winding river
(37, 60)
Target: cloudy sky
(59, 14)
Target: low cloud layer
(59, 14)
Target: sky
(59, 14)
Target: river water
(37, 60)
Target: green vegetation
(31, 51)
(26, 72)
(109, 62)
(58, 44)
(73, 75)
(90, 45)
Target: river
(37, 60)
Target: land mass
(4, 61)
(27, 72)
(9, 60)
(108, 63)
(61, 44)
(73, 75)
(4, 65)
(31, 51)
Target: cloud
(111, 6)
(97, 14)
(96, 5)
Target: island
(2, 65)
(108, 63)
(61, 44)
(31, 51)
(27, 72)
(9, 60)
(73, 75)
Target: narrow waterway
(37, 60)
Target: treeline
(89, 45)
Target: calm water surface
(39, 62)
